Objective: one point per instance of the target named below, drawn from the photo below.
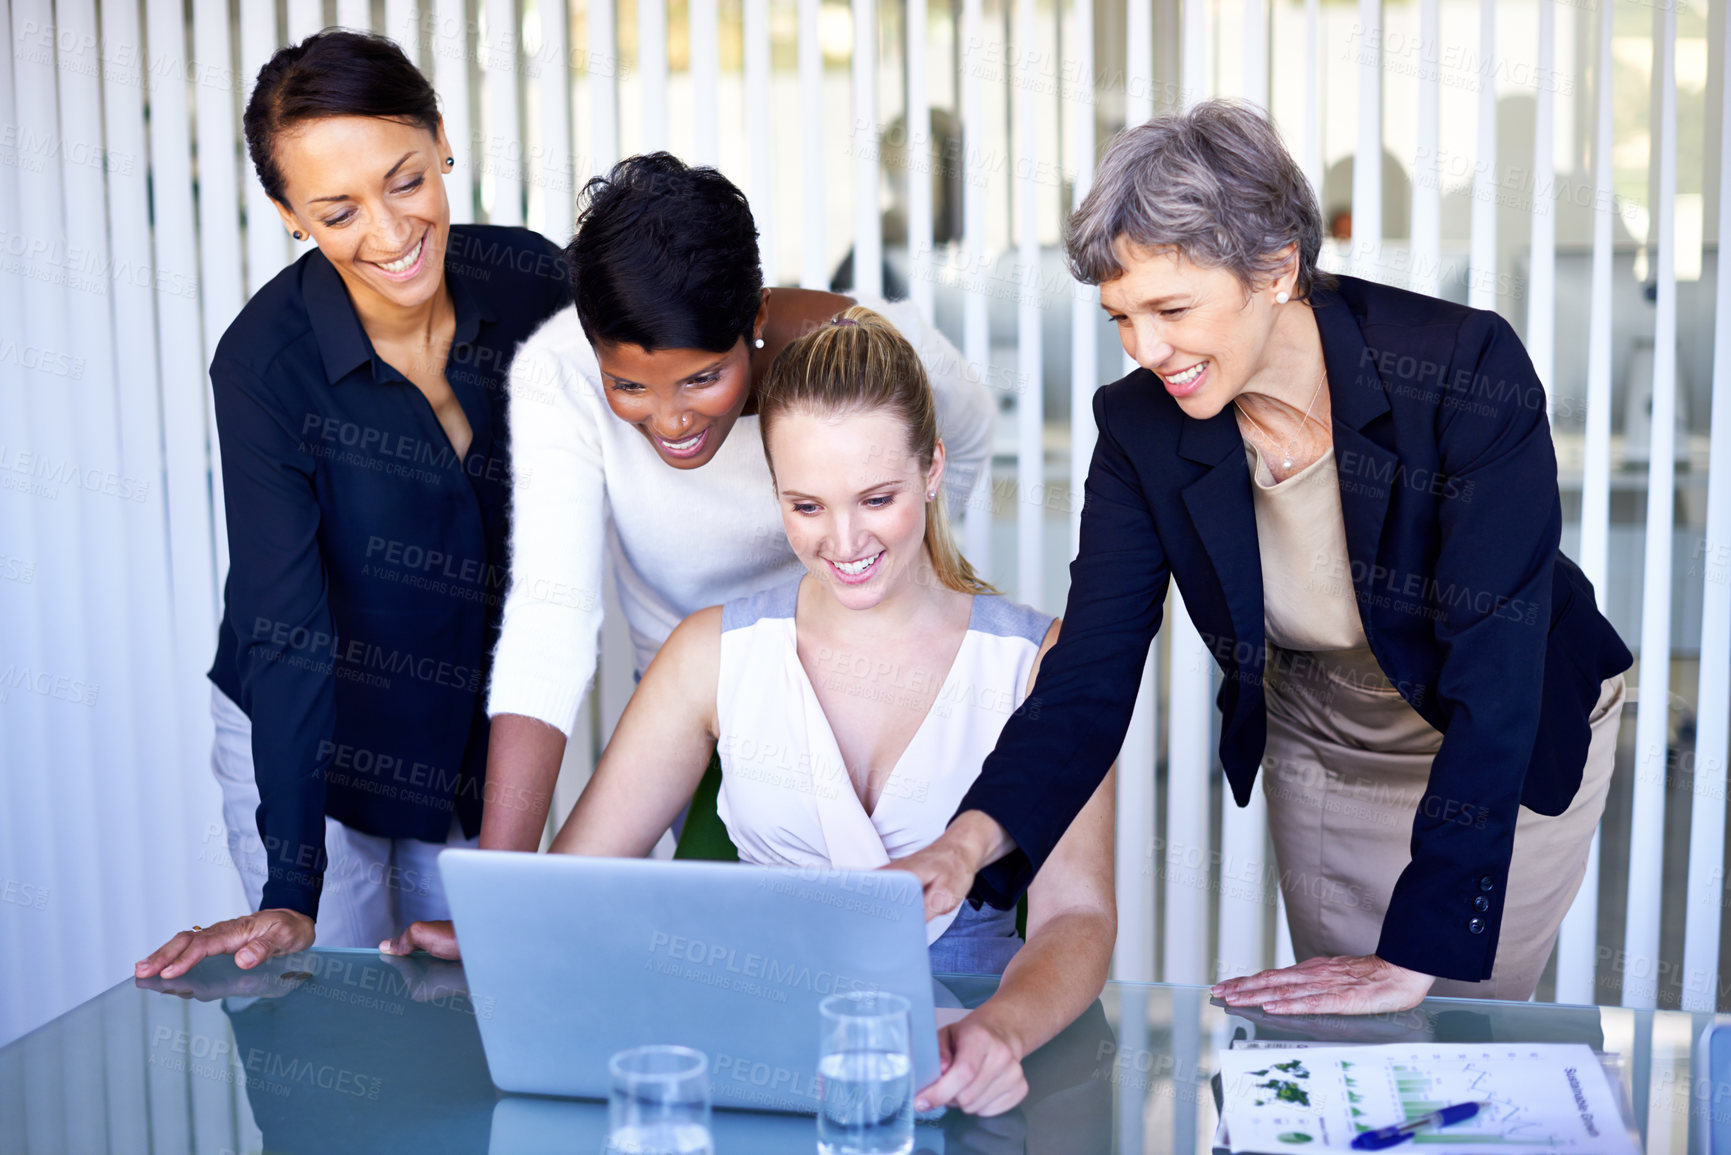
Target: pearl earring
(450, 161)
(757, 344)
(299, 236)
(931, 495)
(1282, 297)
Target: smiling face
(684, 401)
(1192, 326)
(369, 192)
(853, 501)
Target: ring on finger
(196, 928)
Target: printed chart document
(1540, 1096)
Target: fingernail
(385, 945)
(922, 1105)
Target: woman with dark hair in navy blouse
(360, 405)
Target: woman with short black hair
(626, 414)
(360, 407)
(635, 439)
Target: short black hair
(332, 73)
(665, 257)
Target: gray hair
(1216, 183)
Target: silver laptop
(573, 959)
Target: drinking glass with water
(659, 1102)
(865, 1075)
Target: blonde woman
(852, 706)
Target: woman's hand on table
(251, 939)
(260, 983)
(438, 939)
(980, 1065)
(1409, 1026)
(1342, 985)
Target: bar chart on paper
(1536, 1097)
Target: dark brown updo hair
(332, 73)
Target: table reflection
(351, 1050)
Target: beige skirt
(1345, 771)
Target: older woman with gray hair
(1355, 489)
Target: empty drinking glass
(865, 1075)
(659, 1102)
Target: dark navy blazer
(1448, 486)
(366, 560)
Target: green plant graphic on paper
(1285, 1090)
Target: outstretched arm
(1049, 760)
(547, 645)
(658, 752)
(1072, 926)
(277, 585)
(650, 768)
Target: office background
(1557, 162)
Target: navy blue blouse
(367, 560)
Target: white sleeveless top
(786, 797)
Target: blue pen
(1399, 1133)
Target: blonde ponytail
(859, 363)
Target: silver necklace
(1286, 456)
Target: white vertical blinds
(501, 150)
(1706, 886)
(1427, 166)
(451, 55)
(761, 188)
(652, 69)
(1026, 84)
(1577, 944)
(1313, 94)
(1482, 273)
(1367, 162)
(705, 80)
(266, 246)
(1641, 961)
(813, 260)
(919, 167)
(1542, 284)
(1140, 870)
(554, 174)
(602, 66)
(1256, 52)
(123, 592)
(355, 14)
(863, 135)
(976, 320)
(1183, 860)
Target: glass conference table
(332, 1051)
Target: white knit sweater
(585, 483)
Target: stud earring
(1282, 297)
(298, 235)
(450, 162)
(758, 343)
(931, 495)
